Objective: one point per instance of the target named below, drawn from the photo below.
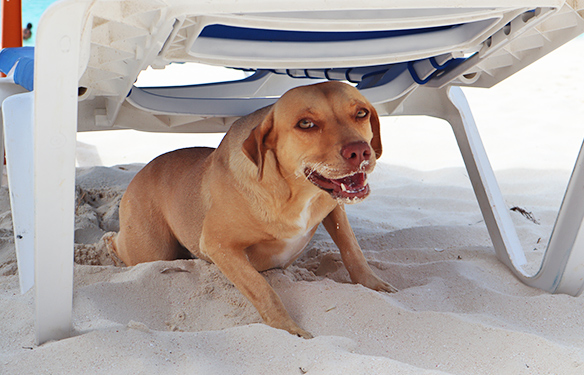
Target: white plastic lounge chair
(407, 57)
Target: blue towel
(24, 73)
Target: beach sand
(458, 309)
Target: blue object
(266, 35)
(24, 72)
(439, 68)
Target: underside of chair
(387, 52)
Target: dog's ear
(258, 142)
(376, 140)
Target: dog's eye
(362, 113)
(305, 124)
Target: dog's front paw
(301, 333)
(386, 287)
(293, 328)
(371, 281)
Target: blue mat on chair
(24, 72)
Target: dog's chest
(279, 253)
(293, 234)
(290, 249)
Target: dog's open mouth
(349, 188)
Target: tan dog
(255, 202)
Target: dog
(254, 203)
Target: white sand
(458, 310)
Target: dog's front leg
(234, 264)
(337, 225)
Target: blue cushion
(266, 35)
(24, 73)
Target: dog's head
(325, 134)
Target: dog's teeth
(343, 187)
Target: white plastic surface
(7, 89)
(57, 58)
(17, 111)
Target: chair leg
(562, 269)
(563, 264)
(17, 117)
(495, 211)
(7, 89)
(55, 124)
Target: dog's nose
(357, 152)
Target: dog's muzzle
(348, 189)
